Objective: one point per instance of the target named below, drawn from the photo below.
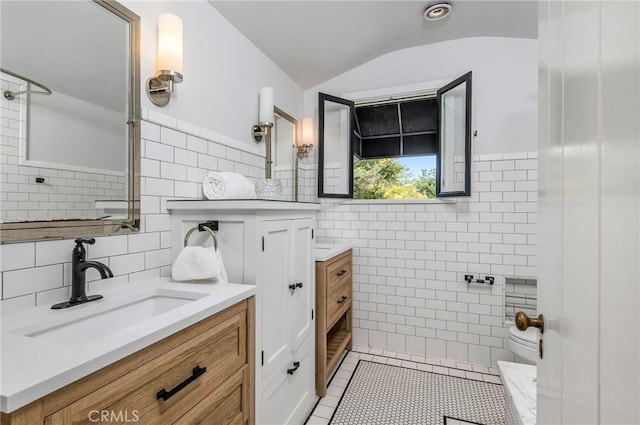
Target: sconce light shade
(307, 131)
(169, 63)
(266, 105)
(307, 138)
(169, 45)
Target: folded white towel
(198, 262)
(227, 185)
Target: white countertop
(31, 367)
(520, 386)
(241, 204)
(327, 250)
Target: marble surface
(33, 367)
(520, 392)
(327, 250)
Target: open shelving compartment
(338, 339)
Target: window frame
(465, 79)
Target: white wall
(223, 71)
(505, 84)
(70, 131)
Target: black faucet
(79, 266)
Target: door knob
(523, 321)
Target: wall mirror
(70, 119)
(285, 161)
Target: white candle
(266, 105)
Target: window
(395, 149)
(410, 147)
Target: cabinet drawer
(221, 350)
(228, 404)
(338, 303)
(338, 273)
(288, 397)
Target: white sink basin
(99, 318)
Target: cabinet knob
(341, 272)
(295, 367)
(294, 286)
(342, 299)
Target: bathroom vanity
(269, 244)
(183, 353)
(334, 295)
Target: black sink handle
(166, 395)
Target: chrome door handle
(523, 321)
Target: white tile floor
(326, 405)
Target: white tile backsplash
(38, 273)
(410, 260)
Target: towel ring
(213, 235)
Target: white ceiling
(314, 41)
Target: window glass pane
(419, 115)
(452, 139)
(381, 147)
(420, 144)
(378, 120)
(395, 178)
(337, 148)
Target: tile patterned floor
(327, 405)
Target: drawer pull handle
(296, 285)
(166, 395)
(342, 299)
(291, 371)
(341, 272)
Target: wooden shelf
(337, 341)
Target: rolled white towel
(198, 262)
(227, 185)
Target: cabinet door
(302, 298)
(274, 287)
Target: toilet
(523, 344)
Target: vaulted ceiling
(314, 41)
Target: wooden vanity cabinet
(334, 294)
(205, 370)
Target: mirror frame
(64, 229)
(296, 126)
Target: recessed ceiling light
(437, 11)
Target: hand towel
(226, 185)
(196, 263)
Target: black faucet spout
(103, 269)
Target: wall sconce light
(307, 137)
(169, 62)
(265, 123)
(265, 116)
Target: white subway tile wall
(410, 259)
(67, 192)
(174, 162)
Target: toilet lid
(528, 337)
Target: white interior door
(589, 212)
